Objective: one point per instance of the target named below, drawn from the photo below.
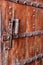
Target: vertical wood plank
(31, 28)
(31, 19)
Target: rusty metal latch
(14, 27)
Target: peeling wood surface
(31, 19)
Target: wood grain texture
(31, 19)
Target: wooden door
(0, 34)
(31, 20)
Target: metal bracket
(14, 23)
(29, 34)
(26, 2)
(32, 59)
(24, 35)
(39, 56)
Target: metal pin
(33, 24)
(10, 7)
(34, 10)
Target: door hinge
(26, 2)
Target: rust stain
(33, 19)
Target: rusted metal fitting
(10, 7)
(24, 2)
(17, 1)
(16, 26)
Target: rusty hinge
(23, 35)
(39, 56)
(26, 2)
(29, 34)
(32, 59)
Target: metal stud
(10, 13)
(37, 50)
(34, 10)
(33, 26)
(10, 7)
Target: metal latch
(14, 28)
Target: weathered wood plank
(0, 36)
(31, 19)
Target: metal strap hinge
(25, 2)
(24, 35)
(28, 34)
(32, 59)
